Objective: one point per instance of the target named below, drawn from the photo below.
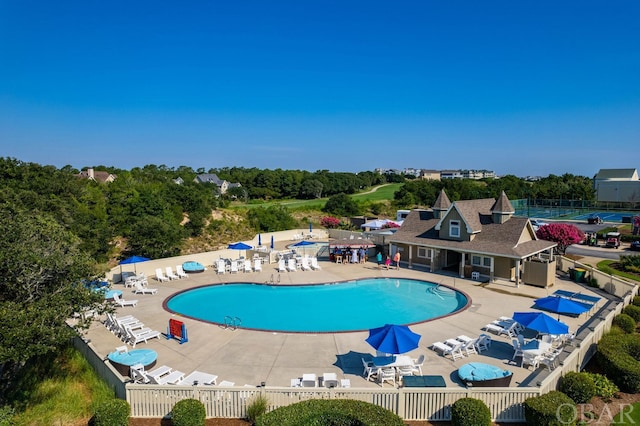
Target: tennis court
(573, 214)
(608, 216)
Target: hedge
(633, 311)
(618, 355)
(188, 412)
(580, 387)
(114, 412)
(470, 412)
(330, 412)
(551, 409)
(625, 322)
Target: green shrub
(470, 412)
(605, 388)
(625, 322)
(578, 386)
(593, 282)
(6, 415)
(636, 301)
(257, 407)
(618, 355)
(330, 412)
(633, 311)
(114, 412)
(188, 412)
(551, 409)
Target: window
(424, 252)
(481, 261)
(454, 228)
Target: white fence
(431, 404)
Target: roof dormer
(502, 209)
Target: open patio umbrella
(239, 246)
(393, 339)
(561, 305)
(304, 244)
(133, 260)
(540, 322)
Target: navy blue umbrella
(540, 322)
(272, 243)
(133, 260)
(259, 239)
(393, 339)
(303, 244)
(561, 305)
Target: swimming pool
(336, 307)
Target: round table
(122, 361)
(193, 267)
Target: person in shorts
(387, 262)
(379, 260)
(396, 259)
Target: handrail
(232, 322)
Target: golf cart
(594, 219)
(612, 240)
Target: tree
(341, 205)
(563, 234)
(42, 268)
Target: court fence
(420, 404)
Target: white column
(461, 267)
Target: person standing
(379, 259)
(396, 259)
(387, 262)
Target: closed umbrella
(562, 305)
(272, 243)
(393, 339)
(259, 239)
(310, 227)
(133, 260)
(540, 322)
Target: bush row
(618, 355)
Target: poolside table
(423, 382)
(123, 361)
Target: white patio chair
(387, 375)
(257, 265)
(483, 342)
(122, 303)
(418, 363)
(309, 381)
(282, 267)
(170, 273)
(370, 372)
(221, 266)
(234, 267)
(140, 289)
(330, 380)
(291, 265)
(517, 349)
(305, 264)
(314, 263)
(247, 266)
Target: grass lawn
(379, 193)
(629, 416)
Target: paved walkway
(252, 357)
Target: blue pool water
(346, 306)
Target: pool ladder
(232, 322)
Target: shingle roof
(442, 202)
(616, 174)
(495, 239)
(503, 205)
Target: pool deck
(251, 357)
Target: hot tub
(193, 267)
(484, 375)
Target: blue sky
(518, 87)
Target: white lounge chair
(257, 265)
(247, 266)
(291, 265)
(483, 342)
(134, 338)
(517, 349)
(305, 264)
(454, 351)
(309, 381)
(314, 263)
(160, 276)
(234, 267)
(199, 378)
(330, 380)
(140, 289)
(370, 371)
(180, 272)
(469, 347)
(122, 303)
(172, 378)
(170, 273)
(221, 267)
(282, 267)
(418, 363)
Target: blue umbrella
(272, 243)
(310, 227)
(561, 305)
(134, 260)
(303, 244)
(540, 322)
(393, 339)
(259, 239)
(239, 246)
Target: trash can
(572, 274)
(579, 274)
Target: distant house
(223, 185)
(617, 186)
(178, 181)
(97, 176)
(480, 236)
(430, 174)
